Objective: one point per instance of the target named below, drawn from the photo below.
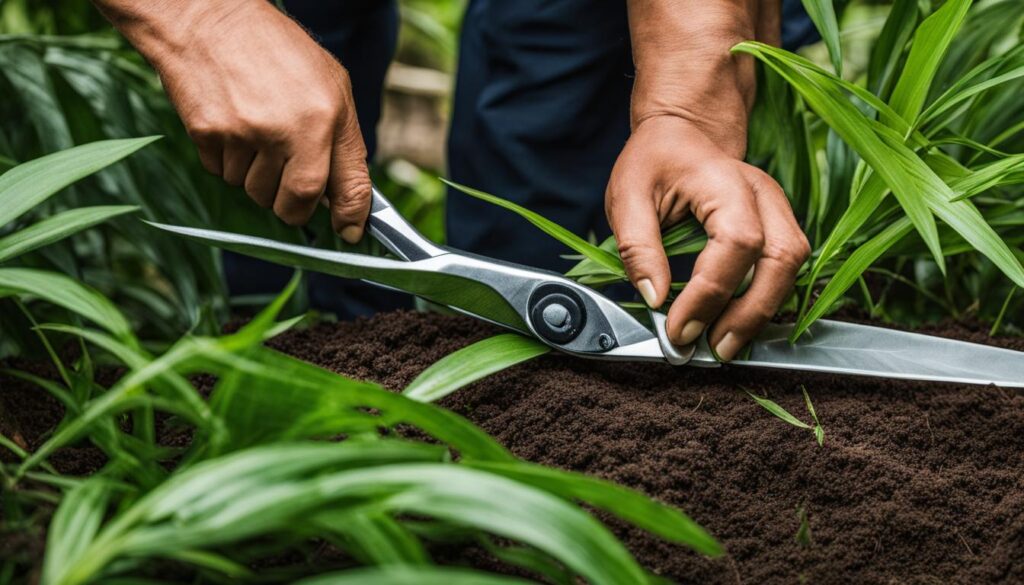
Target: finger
(237, 159)
(303, 182)
(210, 153)
(349, 188)
(726, 207)
(785, 251)
(633, 216)
(264, 177)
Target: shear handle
(396, 234)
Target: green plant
(782, 413)
(914, 125)
(257, 476)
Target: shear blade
(848, 348)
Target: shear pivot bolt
(556, 315)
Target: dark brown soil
(916, 483)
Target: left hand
(671, 167)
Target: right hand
(267, 107)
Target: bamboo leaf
(603, 257)
(74, 525)
(58, 227)
(411, 575)
(473, 363)
(778, 411)
(631, 506)
(68, 293)
(931, 41)
(31, 183)
(886, 53)
(823, 14)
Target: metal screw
(605, 341)
(556, 315)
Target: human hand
(267, 107)
(669, 168)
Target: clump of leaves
(774, 408)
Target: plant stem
(1002, 312)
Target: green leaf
(74, 525)
(413, 575)
(778, 411)
(931, 41)
(473, 363)
(68, 293)
(633, 507)
(823, 14)
(58, 227)
(603, 257)
(886, 53)
(31, 183)
(850, 271)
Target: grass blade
(931, 41)
(31, 183)
(885, 55)
(603, 257)
(58, 227)
(823, 14)
(412, 575)
(633, 507)
(68, 293)
(472, 363)
(778, 411)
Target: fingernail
(351, 234)
(691, 331)
(728, 347)
(646, 288)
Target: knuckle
(748, 242)
(634, 251)
(306, 187)
(794, 253)
(709, 288)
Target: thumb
(634, 220)
(349, 189)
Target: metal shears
(578, 320)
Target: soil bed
(916, 482)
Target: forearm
(684, 67)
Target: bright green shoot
(774, 408)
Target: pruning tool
(578, 320)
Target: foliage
(257, 477)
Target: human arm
(266, 106)
(690, 105)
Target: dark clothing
(540, 112)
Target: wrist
(685, 68)
(162, 29)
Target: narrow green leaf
(633, 507)
(31, 183)
(411, 575)
(473, 363)
(823, 14)
(931, 41)
(58, 227)
(602, 257)
(68, 293)
(74, 525)
(886, 53)
(778, 411)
